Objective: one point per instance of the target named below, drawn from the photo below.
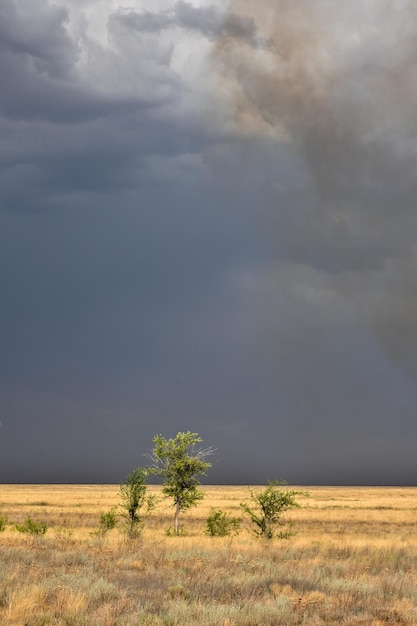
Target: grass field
(352, 561)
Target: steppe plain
(351, 561)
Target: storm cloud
(341, 91)
(210, 21)
(208, 223)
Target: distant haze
(208, 223)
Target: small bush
(136, 504)
(3, 522)
(107, 521)
(219, 524)
(31, 527)
(267, 507)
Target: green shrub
(267, 507)
(107, 521)
(3, 522)
(31, 527)
(219, 524)
(136, 503)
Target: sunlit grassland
(353, 560)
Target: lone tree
(267, 507)
(180, 463)
(136, 504)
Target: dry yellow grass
(353, 561)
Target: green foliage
(219, 524)
(32, 527)
(267, 507)
(3, 522)
(180, 464)
(136, 504)
(107, 521)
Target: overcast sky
(208, 222)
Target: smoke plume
(335, 85)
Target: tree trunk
(177, 512)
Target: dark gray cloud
(211, 21)
(36, 34)
(207, 223)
